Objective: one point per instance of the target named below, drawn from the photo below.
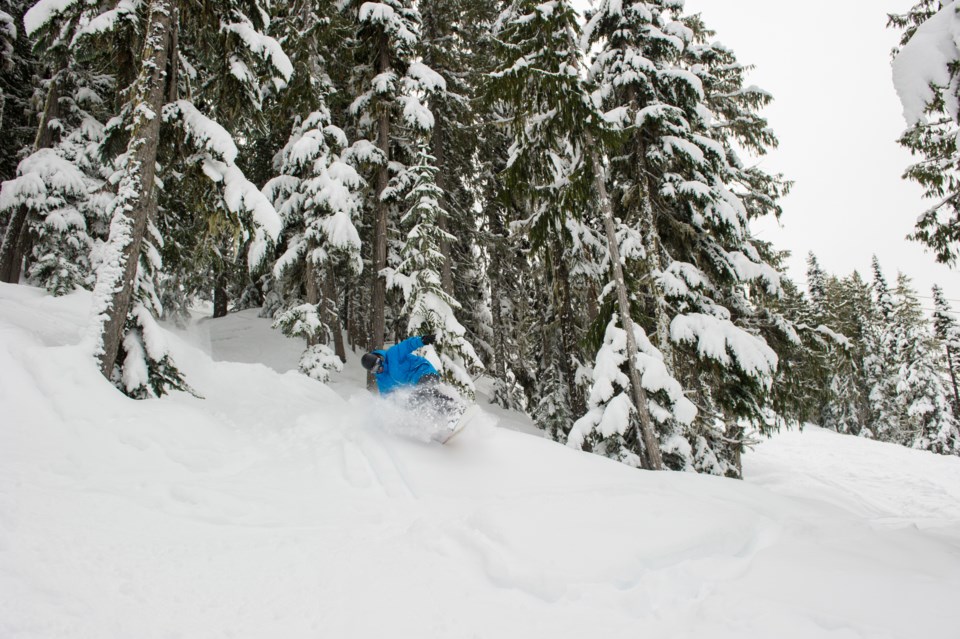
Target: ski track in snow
(279, 507)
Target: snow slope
(279, 507)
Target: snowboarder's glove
(429, 339)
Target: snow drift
(276, 506)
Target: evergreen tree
(831, 348)
(851, 304)
(927, 419)
(932, 131)
(58, 198)
(428, 306)
(317, 197)
(18, 68)
(513, 353)
(947, 331)
(451, 46)
(545, 106)
(127, 346)
(879, 363)
(682, 106)
(317, 194)
(557, 163)
(51, 218)
(799, 388)
(388, 83)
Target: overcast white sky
(827, 64)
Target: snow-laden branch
(239, 194)
(724, 342)
(923, 64)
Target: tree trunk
(310, 283)
(113, 294)
(953, 378)
(651, 246)
(333, 315)
(496, 308)
(10, 258)
(735, 435)
(220, 297)
(652, 458)
(16, 238)
(568, 339)
(379, 297)
(438, 141)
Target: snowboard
(456, 425)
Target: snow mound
(277, 506)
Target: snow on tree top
(926, 60)
(262, 45)
(43, 12)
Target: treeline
(887, 366)
(552, 199)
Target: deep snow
(280, 507)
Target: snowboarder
(398, 367)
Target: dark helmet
(371, 360)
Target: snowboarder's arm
(407, 346)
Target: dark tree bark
(115, 280)
(332, 314)
(653, 460)
(567, 329)
(953, 378)
(220, 297)
(378, 297)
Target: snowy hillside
(278, 507)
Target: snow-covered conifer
(557, 165)
(947, 331)
(879, 363)
(390, 85)
(18, 67)
(56, 202)
(927, 420)
(926, 73)
(852, 308)
(682, 107)
(430, 308)
(317, 193)
(176, 36)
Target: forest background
(557, 196)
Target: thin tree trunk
(496, 309)
(735, 434)
(438, 141)
(568, 340)
(16, 238)
(651, 247)
(953, 378)
(333, 316)
(432, 25)
(113, 294)
(312, 287)
(653, 459)
(379, 298)
(9, 264)
(220, 297)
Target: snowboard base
(451, 430)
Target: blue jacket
(401, 367)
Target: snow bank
(280, 507)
